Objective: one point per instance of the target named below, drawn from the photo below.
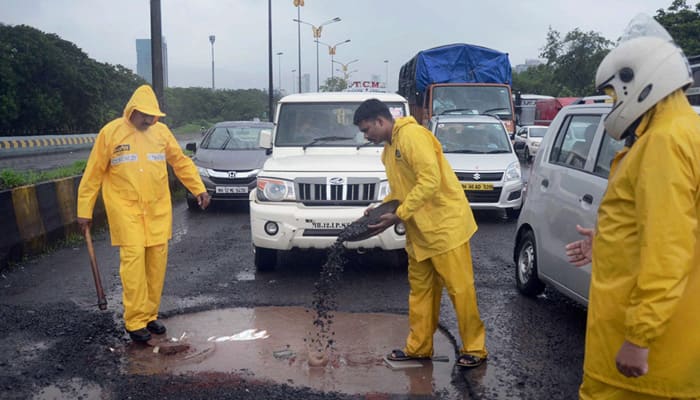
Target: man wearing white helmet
(643, 329)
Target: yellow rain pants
(142, 271)
(454, 269)
(592, 389)
(439, 224)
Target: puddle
(267, 344)
(71, 389)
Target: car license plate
(477, 186)
(232, 189)
(329, 225)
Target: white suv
(321, 176)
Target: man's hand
(631, 360)
(84, 224)
(385, 221)
(203, 199)
(580, 252)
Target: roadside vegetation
(10, 178)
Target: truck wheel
(265, 259)
(526, 278)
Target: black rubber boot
(156, 327)
(140, 335)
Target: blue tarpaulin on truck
(454, 63)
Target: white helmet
(644, 68)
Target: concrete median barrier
(21, 145)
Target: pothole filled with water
(271, 344)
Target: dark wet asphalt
(55, 343)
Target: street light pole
(386, 77)
(298, 6)
(212, 38)
(317, 35)
(279, 71)
(331, 51)
(293, 75)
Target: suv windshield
(233, 138)
(472, 137)
(322, 124)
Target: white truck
(321, 176)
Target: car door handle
(587, 198)
(545, 182)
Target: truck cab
(321, 176)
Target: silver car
(229, 159)
(567, 181)
(481, 154)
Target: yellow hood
(144, 100)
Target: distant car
(528, 139)
(481, 154)
(229, 158)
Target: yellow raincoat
(130, 165)
(645, 283)
(439, 224)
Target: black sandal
(399, 355)
(470, 361)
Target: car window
(538, 131)
(574, 140)
(608, 148)
(472, 137)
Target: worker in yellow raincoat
(439, 224)
(643, 329)
(129, 161)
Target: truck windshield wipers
(324, 139)
(365, 144)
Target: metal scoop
(359, 229)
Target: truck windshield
(322, 124)
(465, 99)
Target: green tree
(683, 23)
(335, 84)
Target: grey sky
(379, 30)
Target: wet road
(55, 343)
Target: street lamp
(293, 72)
(386, 77)
(279, 71)
(331, 51)
(212, 38)
(316, 30)
(345, 66)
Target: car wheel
(265, 259)
(192, 204)
(526, 278)
(512, 213)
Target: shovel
(101, 299)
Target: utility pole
(157, 53)
(212, 38)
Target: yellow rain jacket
(130, 165)
(645, 283)
(433, 207)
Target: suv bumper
(312, 227)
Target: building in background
(305, 83)
(528, 64)
(143, 61)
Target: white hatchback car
(527, 140)
(480, 152)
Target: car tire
(192, 204)
(265, 259)
(512, 213)
(527, 281)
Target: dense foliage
(50, 86)
(570, 62)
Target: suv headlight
(275, 190)
(513, 172)
(383, 190)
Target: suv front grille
(320, 191)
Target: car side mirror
(265, 139)
(191, 147)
